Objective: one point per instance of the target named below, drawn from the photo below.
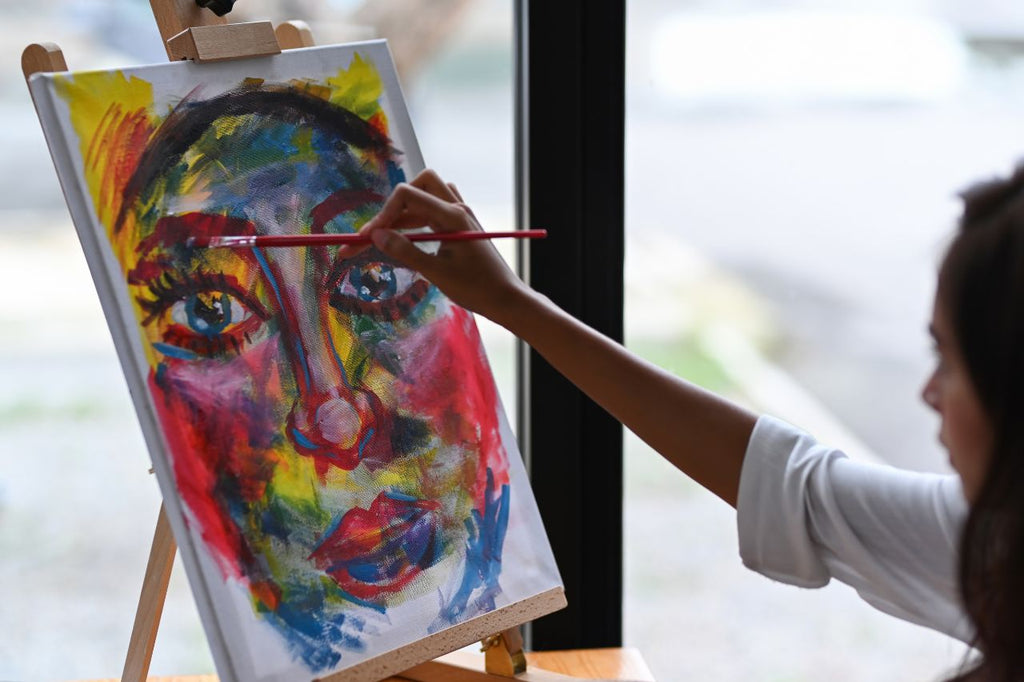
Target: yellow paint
(227, 125)
(357, 88)
(296, 479)
(90, 94)
(101, 103)
(303, 141)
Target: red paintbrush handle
(248, 241)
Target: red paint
(176, 229)
(146, 271)
(211, 446)
(379, 550)
(380, 122)
(266, 593)
(120, 140)
(339, 202)
(372, 433)
(456, 391)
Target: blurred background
(792, 177)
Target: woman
(807, 513)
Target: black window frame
(570, 174)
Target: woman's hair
(981, 289)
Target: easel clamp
(223, 42)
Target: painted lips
(376, 551)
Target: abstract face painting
(330, 426)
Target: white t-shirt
(807, 513)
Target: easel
(197, 30)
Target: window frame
(570, 179)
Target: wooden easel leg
(151, 602)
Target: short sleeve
(807, 514)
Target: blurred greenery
(684, 358)
(22, 412)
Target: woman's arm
(701, 433)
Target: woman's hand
(702, 434)
(472, 274)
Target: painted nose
(338, 428)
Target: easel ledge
(193, 33)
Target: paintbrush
(255, 240)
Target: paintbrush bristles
(215, 242)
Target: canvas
(327, 435)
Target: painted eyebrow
(174, 230)
(339, 202)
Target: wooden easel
(191, 32)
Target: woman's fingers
(461, 201)
(455, 191)
(426, 201)
(408, 205)
(429, 181)
(396, 246)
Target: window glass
(792, 177)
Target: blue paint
(486, 538)
(174, 351)
(366, 439)
(161, 374)
(304, 628)
(365, 571)
(272, 141)
(317, 632)
(356, 600)
(302, 441)
(395, 174)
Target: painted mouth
(377, 551)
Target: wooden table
(610, 664)
(613, 664)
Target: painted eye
(209, 313)
(375, 282)
(202, 315)
(378, 289)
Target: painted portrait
(331, 426)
